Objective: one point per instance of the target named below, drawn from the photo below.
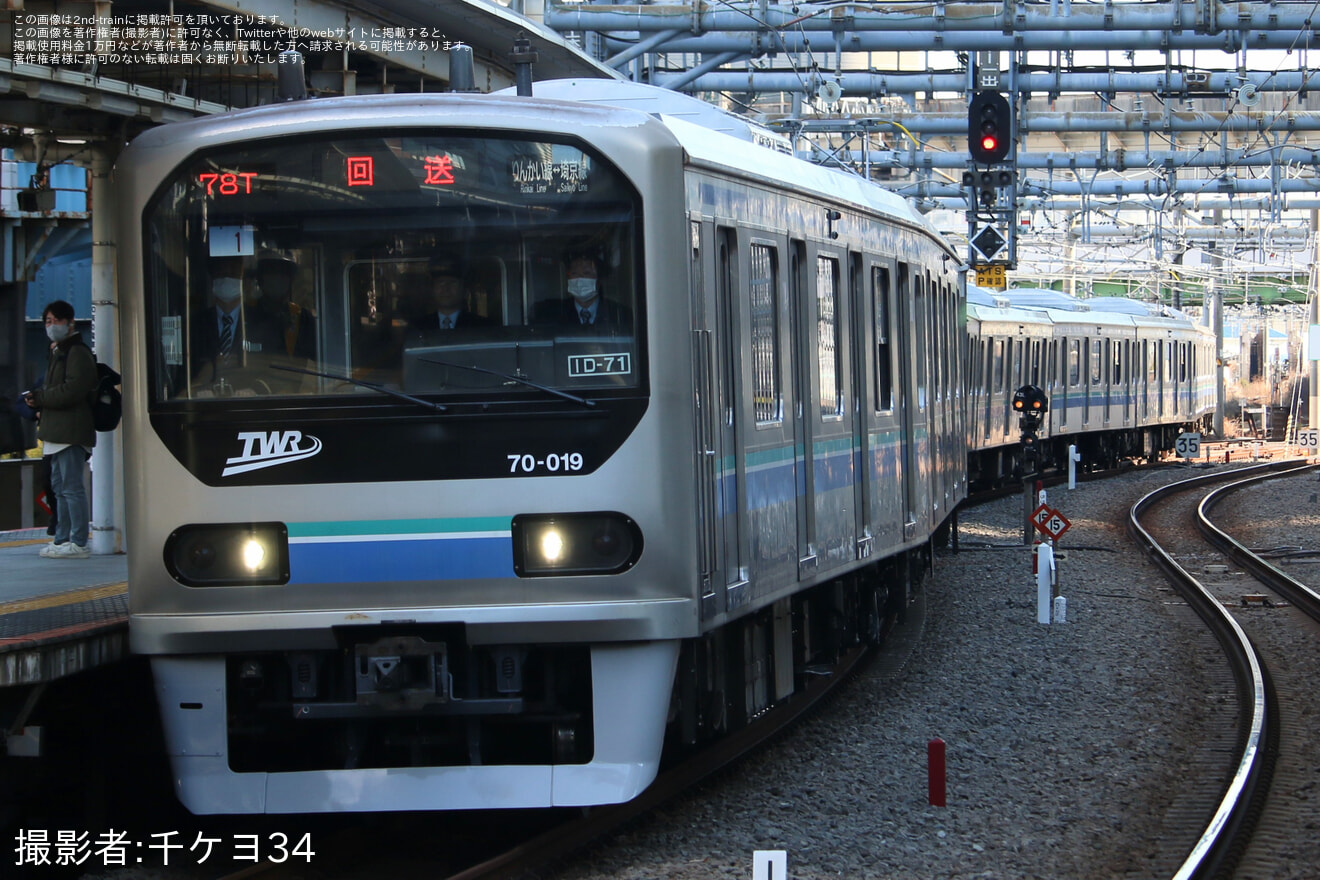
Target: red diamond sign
(1050, 522)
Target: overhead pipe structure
(717, 35)
(1123, 188)
(1162, 161)
(1196, 16)
(1129, 121)
(1007, 26)
(1179, 83)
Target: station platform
(58, 616)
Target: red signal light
(989, 127)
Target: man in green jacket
(66, 430)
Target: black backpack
(107, 402)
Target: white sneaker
(69, 550)
(48, 550)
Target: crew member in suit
(449, 309)
(218, 335)
(278, 324)
(586, 306)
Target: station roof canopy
(213, 56)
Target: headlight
(229, 555)
(574, 543)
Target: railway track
(357, 852)
(1245, 807)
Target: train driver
(586, 305)
(218, 336)
(449, 303)
(284, 326)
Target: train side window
(884, 376)
(997, 366)
(828, 351)
(1074, 363)
(764, 290)
(1097, 364)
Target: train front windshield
(446, 266)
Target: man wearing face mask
(66, 429)
(586, 306)
(219, 338)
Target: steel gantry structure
(1188, 125)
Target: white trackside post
(1044, 582)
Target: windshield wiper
(373, 386)
(511, 378)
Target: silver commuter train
(1122, 378)
(380, 566)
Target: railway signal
(989, 127)
(1031, 405)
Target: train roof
(1044, 298)
(717, 138)
(658, 102)
(1025, 304)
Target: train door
(803, 434)
(730, 467)
(821, 312)
(1162, 357)
(707, 347)
(1186, 361)
(1075, 386)
(883, 467)
(1139, 370)
(1090, 377)
(859, 346)
(772, 469)
(1107, 377)
(916, 436)
(1129, 384)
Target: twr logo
(263, 449)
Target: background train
(378, 567)
(1122, 378)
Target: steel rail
(1296, 592)
(562, 841)
(1220, 846)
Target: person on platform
(66, 428)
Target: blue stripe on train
(429, 559)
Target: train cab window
(884, 375)
(828, 351)
(434, 264)
(764, 291)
